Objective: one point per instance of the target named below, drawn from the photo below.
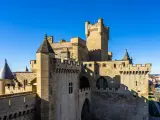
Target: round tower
(6, 77)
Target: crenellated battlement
(81, 91)
(78, 41)
(32, 61)
(12, 89)
(67, 66)
(99, 27)
(67, 62)
(16, 94)
(135, 69)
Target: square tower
(97, 36)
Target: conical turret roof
(126, 56)
(6, 72)
(27, 69)
(45, 46)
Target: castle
(64, 76)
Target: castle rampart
(18, 106)
(13, 89)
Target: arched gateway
(84, 82)
(85, 113)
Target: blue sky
(134, 24)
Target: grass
(149, 99)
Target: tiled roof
(6, 72)
(21, 76)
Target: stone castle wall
(135, 77)
(67, 105)
(116, 106)
(65, 101)
(20, 106)
(13, 90)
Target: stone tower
(44, 56)
(6, 77)
(97, 36)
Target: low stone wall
(18, 106)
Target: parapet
(99, 27)
(16, 94)
(67, 65)
(138, 68)
(84, 90)
(32, 61)
(78, 40)
(12, 89)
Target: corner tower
(97, 36)
(44, 56)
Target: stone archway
(84, 82)
(85, 113)
(101, 83)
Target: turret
(127, 57)
(27, 69)
(44, 57)
(97, 36)
(86, 28)
(6, 77)
(100, 29)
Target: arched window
(84, 82)
(101, 83)
(104, 65)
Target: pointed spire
(6, 72)
(27, 69)
(126, 56)
(5, 60)
(45, 36)
(45, 46)
(131, 61)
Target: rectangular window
(70, 87)
(24, 99)
(136, 83)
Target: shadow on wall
(112, 100)
(95, 55)
(112, 105)
(18, 106)
(106, 82)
